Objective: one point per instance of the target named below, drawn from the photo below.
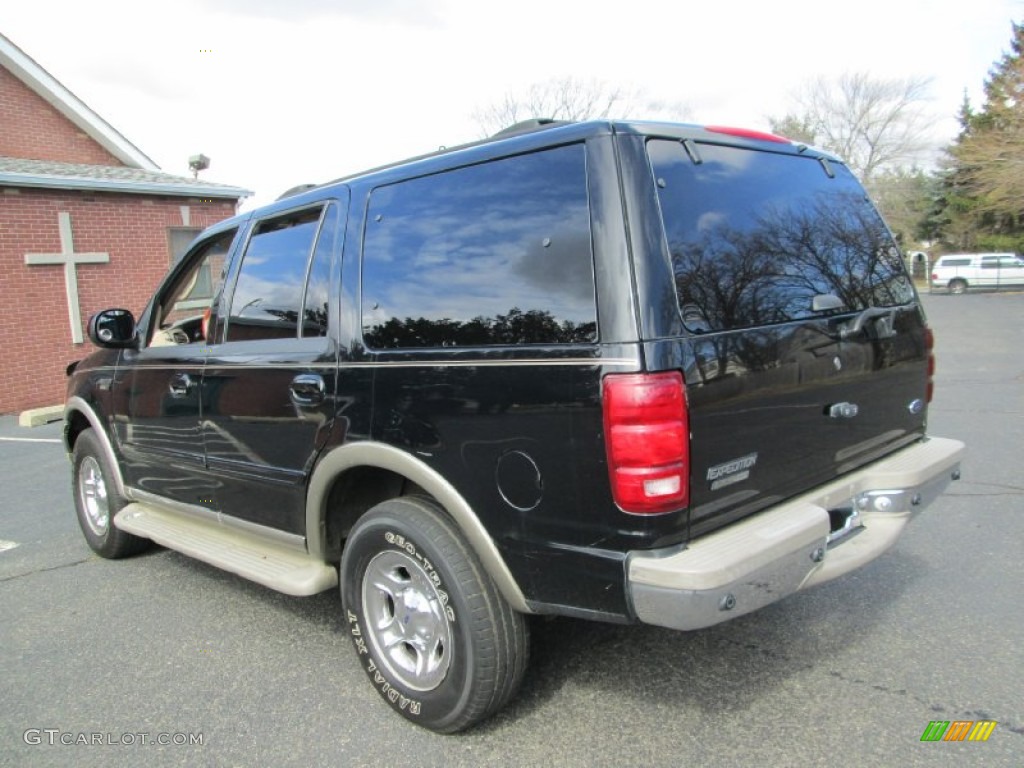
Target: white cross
(69, 259)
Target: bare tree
(871, 123)
(571, 98)
(904, 196)
(794, 127)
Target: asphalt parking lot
(848, 674)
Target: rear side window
(954, 263)
(318, 283)
(754, 236)
(491, 254)
(268, 297)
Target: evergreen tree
(983, 201)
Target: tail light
(647, 436)
(929, 344)
(746, 133)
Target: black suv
(630, 372)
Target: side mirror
(112, 328)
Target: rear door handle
(307, 389)
(181, 384)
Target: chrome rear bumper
(791, 546)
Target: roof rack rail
(526, 126)
(296, 190)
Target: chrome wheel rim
(406, 621)
(92, 493)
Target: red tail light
(746, 133)
(929, 344)
(647, 435)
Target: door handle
(307, 389)
(181, 384)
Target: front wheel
(97, 501)
(433, 633)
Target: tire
(957, 286)
(436, 638)
(97, 501)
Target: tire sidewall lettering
(401, 543)
(403, 701)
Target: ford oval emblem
(916, 406)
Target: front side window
(178, 241)
(183, 312)
(754, 236)
(492, 254)
(267, 300)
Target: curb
(37, 417)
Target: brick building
(87, 222)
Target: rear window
(754, 236)
(954, 263)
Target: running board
(239, 552)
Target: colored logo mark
(958, 730)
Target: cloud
(411, 12)
(144, 77)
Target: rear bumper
(790, 547)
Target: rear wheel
(433, 633)
(97, 501)
(957, 286)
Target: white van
(956, 272)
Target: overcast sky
(283, 92)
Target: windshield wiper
(884, 323)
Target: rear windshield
(755, 236)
